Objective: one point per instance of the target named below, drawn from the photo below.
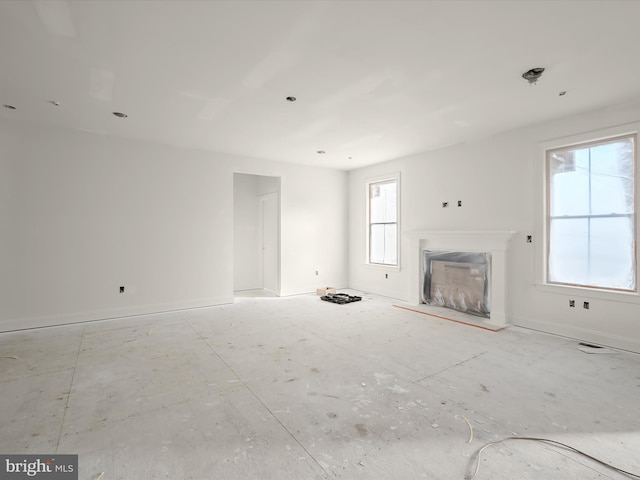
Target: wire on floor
(470, 427)
(553, 442)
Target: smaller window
(383, 222)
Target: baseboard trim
(582, 334)
(12, 325)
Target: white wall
(246, 237)
(268, 185)
(8, 221)
(84, 213)
(497, 180)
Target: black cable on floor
(553, 442)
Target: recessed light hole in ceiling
(533, 75)
(120, 114)
(10, 107)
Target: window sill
(624, 297)
(381, 266)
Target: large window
(383, 222)
(591, 214)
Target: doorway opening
(256, 235)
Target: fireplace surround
(493, 242)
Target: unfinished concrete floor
(297, 388)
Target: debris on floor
(340, 298)
(589, 348)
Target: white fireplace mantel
(495, 242)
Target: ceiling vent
(533, 75)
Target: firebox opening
(458, 280)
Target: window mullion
(575, 217)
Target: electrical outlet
(529, 238)
(445, 204)
(572, 303)
(121, 289)
(459, 203)
(586, 305)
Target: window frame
(542, 197)
(395, 177)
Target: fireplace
(457, 280)
(469, 246)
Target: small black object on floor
(340, 298)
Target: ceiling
(374, 80)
